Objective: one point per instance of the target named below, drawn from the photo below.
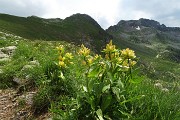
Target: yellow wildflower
(97, 56)
(62, 64)
(128, 54)
(90, 60)
(61, 58)
(60, 48)
(119, 59)
(69, 55)
(84, 62)
(125, 63)
(129, 63)
(107, 56)
(110, 47)
(84, 51)
(132, 63)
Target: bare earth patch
(7, 106)
(18, 107)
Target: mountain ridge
(78, 28)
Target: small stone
(2, 55)
(158, 85)
(165, 90)
(18, 81)
(35, 62)
(27, 67)
(5, 59)
(10, 48)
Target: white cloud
(98, 9)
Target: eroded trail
(7, 106)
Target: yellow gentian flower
(84, 51)
(62, 64)
(110, 47)
(69, 55)
(60, 48)
(128, 54)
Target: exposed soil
(18, 107)
(7, 106)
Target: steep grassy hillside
(78, 28)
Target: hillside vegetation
(70, 69)
(72, 82)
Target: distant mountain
(148, 37)
(78, 28)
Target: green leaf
(91, 84)
(62, 76)
(107, 117)
(99, 114)
(94, 72)
(117, 92)
(132, 99)
(126, 114)
(137, 79)
(85, 89)
(107, 87)
(120, 84)
(98, 88)
(106, 101)
(110, 77)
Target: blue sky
(105, 12)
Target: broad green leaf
(99, 114)
(117, 92)
(107, 87)
(120, 84)
(98, 88)
(94, 72)
(106, 101)
(91, 84)
(110, 77)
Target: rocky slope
(164, 41)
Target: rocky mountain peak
(141, 22)
(131, 25)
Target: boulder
(2, 55)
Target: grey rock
(5, 59)
(35, 62)
(10, 48)
(19, 81)
(2, 55)
(26, 67)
